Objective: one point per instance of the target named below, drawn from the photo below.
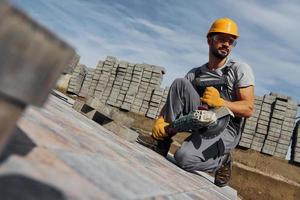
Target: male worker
(227, 83)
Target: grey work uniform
(197, 153)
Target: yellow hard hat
(224, 25)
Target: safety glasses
(222, 39)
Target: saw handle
(203, 107)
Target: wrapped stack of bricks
(270, 128)
(86, 82)
(121, 84)
(77, 79)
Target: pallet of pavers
(106, 90)
(281, 126)
(124, 85)
(263, 122)
(95, 78)
(274, 127)
(126, 94)
(270, 128)
(250, 125)
(101, 77)
(86, 83)
(108, 86)
(77, 79)
(286, 129)
(145, 85)
(154, 102)
(163, 101)
(135, 90)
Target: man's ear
(209, 40)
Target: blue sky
(172, 34)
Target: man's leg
(223, 173)
(182, 99)
(201, 154)
(211, 155)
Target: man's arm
(244, 107)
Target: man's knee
(185, 160)
(180, 81)
(189, 162)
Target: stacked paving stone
(164, 99)
(281, 126)
(264, 117)
(95, 78)
(108, 91)
(107, 77)
(250, 125)
(286, 128)
(146, 89)
(295, 153)
(129, 88)
(115, 83)
(149, 78)
(157, 101)
(77, 79)
(274, 127)
(270, 128)
(154, 94)
(72, 64)
(126, 85)
(126, 76)
(86, 83)
(138, 91)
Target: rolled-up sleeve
(245, 76)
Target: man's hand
(211, 97)
(158, 130)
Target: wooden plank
(119, 169)
(203, 194)
(69, 131)
(45, 167)
(116, 178)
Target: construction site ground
(255, 175)
(64, 154)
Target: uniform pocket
(215, 150)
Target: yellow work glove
(211, 97)
(158, 130)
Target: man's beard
(219, 54)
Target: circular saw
(207, 123)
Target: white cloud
(279, 18)
(172, 33)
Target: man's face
(221, 44)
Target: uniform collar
(219, 70)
